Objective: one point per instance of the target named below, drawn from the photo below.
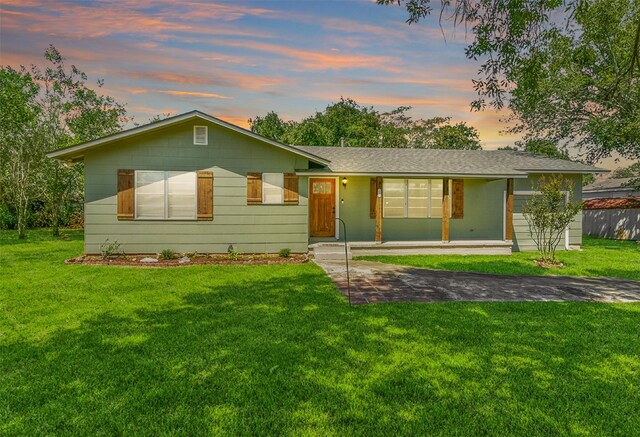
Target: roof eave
(558, 171)
(414, 174)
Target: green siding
(230, 155)
(266, 228)
(522, 237)
(483, 215)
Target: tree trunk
(55, 221)
(21, 212)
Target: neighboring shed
(610, 187)
(617, 218)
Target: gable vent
(200, 135)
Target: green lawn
(599, 257)
(277, 350)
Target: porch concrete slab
(373, 282)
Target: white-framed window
(412, 198)
(272, 188)
(165, 195)
(201, 135)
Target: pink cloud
(195, 94)
(317, 60)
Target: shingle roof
(354, 160)
(609, 184)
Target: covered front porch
(465, 216)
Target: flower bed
(188, 260)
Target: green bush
(8, 219)
(232, 253)
(284, 253)
(168, 254)
(110, 249)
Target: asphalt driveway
(373, 282)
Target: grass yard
(246, 350)
(599, 257)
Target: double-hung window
(412, 198)
(165, 195)
(272, 188)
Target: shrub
(548, 214)
(284, 253)
(110, 249)
(168, 254)
(232, 253)
(8, 219)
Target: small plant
(110, 249)
(168, 254)
(232, 253)
(285, 252)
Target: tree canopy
(539, 146)
(568, 71)
(44, 109)
(631, 171)
(350, 124)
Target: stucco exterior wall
(229, 155)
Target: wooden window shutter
(458, 199)
(373, 193)
(254, 188)
(205, 195)
(125, 195)
(290, 189)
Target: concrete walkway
(373, 282)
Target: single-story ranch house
(196, 183)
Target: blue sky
(239, 59)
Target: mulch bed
(211, 259)
(549, 265)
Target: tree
(548, 213)
(569, 70)
(542, 147)
(270, 126)
(63, 111)
(439, 133)
(350, 124)
(632, 171)
(21, 147)
(71, 112)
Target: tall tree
(350, 124)
(21, 145)
(539, 146)
(53, 107)
(568, 70)
(631, 171)
(439, 133)
(270, 126)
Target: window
(321, 188)
(165, 195)
(412, 198)
(272, 188)
(418, 198)
(200, 135)
(394, 197)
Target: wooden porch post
(378, 210)
(508, 222)
(446, 211)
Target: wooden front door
(322, 207)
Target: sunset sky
(235, 60)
